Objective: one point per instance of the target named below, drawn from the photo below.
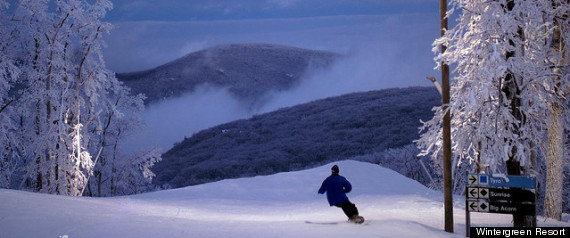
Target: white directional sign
(478, 179)
(473, 179)
(478, 206)
(478, 193)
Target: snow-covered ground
(266, 206)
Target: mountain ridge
(299, 137)
(248, 70)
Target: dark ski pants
(349, 209)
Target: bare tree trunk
(99, 184)
(39, 174)
(554, 164)
(555, 154)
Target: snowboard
(321, 222)
(357, 220)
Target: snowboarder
(336, 187)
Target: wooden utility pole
(447, 186)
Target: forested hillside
(299, 137)
(247, 70)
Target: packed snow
(280, 205)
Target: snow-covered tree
(9, 73)
(64, 72)
(504, 82)
(115, 172)
(58, 98)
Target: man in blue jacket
(336, 187)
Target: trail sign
(483, 205)
(512, 208)
(499, 194)
(485, 180)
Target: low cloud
(173, 119)
(193, 46)
(378, 52)
(397, 55)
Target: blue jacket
(336, 187)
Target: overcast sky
(149, 33)
(200, 10)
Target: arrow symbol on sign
(473, 192)
(473, 206)
(472, 179)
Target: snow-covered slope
(266, 206)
